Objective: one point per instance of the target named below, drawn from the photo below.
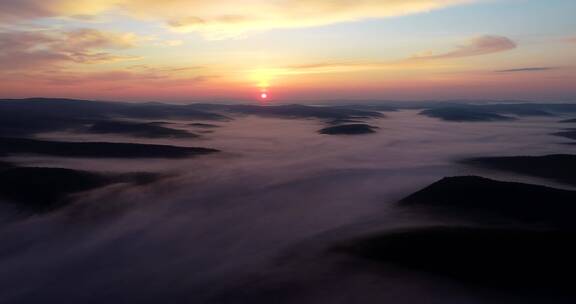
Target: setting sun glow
(182, 50)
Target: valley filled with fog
(250, 223)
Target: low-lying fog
(221, 228)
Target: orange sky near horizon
(298, 50)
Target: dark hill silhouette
(568, 133)
(517, 260)
(5, 165)
(487, 199)
(560, 167)
(146, 130)
(351, 129)
(370, 107)
(529, 250)
(36, 115)
(55, 107)
(40, 190)
(97, 149)
(509, 108)
(524, 109)
(344, 121)
(462, 114)
(291, 111)
(465, 112)
(27, 117)
(204, 125)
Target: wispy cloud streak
(530, 69)
(482, 45)
(39, 49)
(220, 18)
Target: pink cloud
(482, 45)
(41, 49)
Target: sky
(289, 50)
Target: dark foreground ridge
(558, 167)
(530, 251)
(490, 257)
(145, 130)
(484, 198)
(352, 129)
(568, 133)
(5, 165)
(40, 190)
(97, 149)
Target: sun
(263, 79)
